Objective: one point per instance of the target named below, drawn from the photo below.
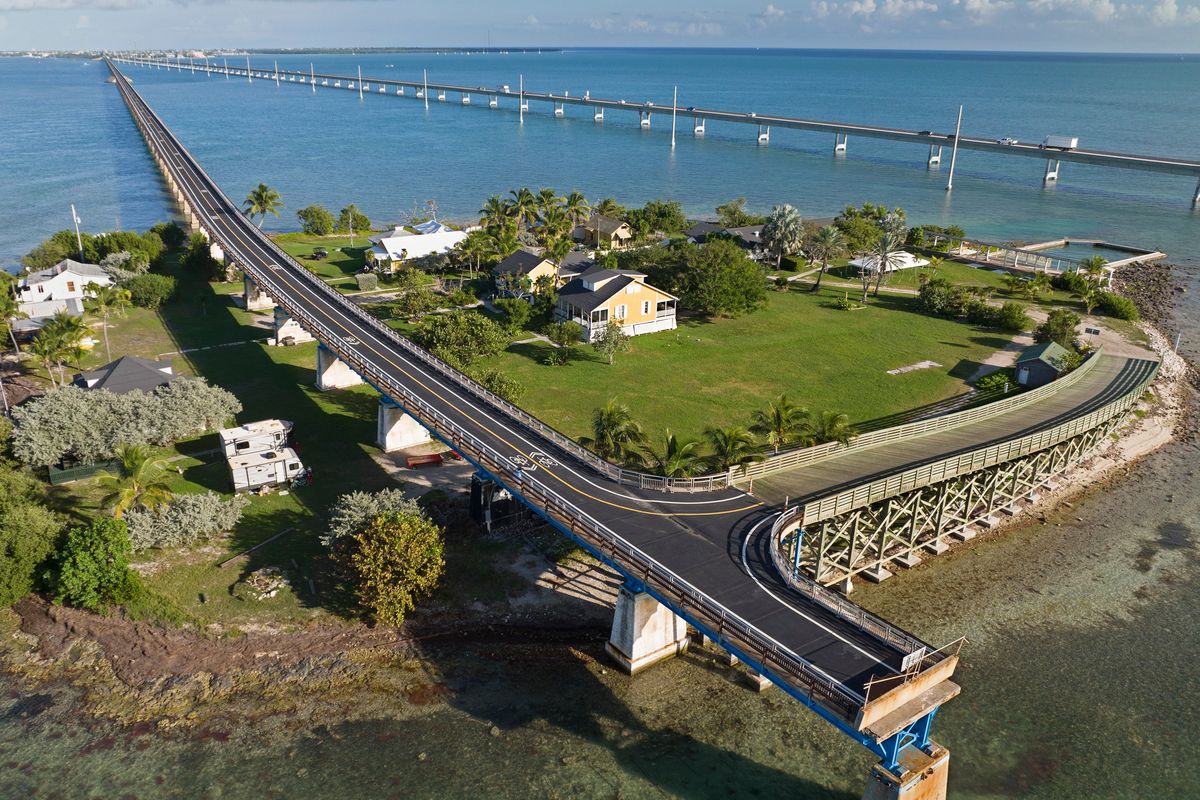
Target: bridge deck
(710, 542)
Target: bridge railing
(780, 660)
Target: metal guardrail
(791, 459)
(772, 654)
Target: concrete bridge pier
(644, 119)
(839, 142)
(644, 631)
(396, 430)
(1196, 196)
(466, 99)
(493, 102)
(400, 90)
(698, 126)
(599, 115)
(1052, 167)
(441, 95)
(332, 372)
(935, 156)
(764, 134)
(254, 298)
(287, 328)
(559, 109)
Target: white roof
(403, 248)
(432, 226)
(38, 312)
(897, 261)
(254, 429)
(66, 265)
(264, 457)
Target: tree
(141, 484)
(824, 246)
(611, 340)
(1090, 296)
(93, 566)
(888, 256)
(150, 290)
(564, 335)
(184, 520)
(609, 207)
(1012, 317)
(1061, 326)
(665, 216)
(59, 340)
(354, 511)
(615, 434)
(500, 384)
(1012, 282)
(461, 337)
(474, 249)
(523, 207)
(28, 533)
(10, 312)
(392, 562)
(733, 214)
(172, 234)
(547, 199)
(558, 247)
(783, 233)
(782, 423)
(833, 427)
(679, 458)
(732, 447)
(352, 220)
(719, 279)
(504, 240)
(516, 312)
(104, 302)
(554, 224)
(261, 201)
(577, 208)
(316, 220)
(198, 259)
(494, 212)
(1094, 268)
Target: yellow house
(600, 295)
(511, 273)
(606, 233)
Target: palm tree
(10, 311)
(46, 349)
(103, 302)
(888, 255)
(577, 208)
(523, 207)
(783, 233)
(783, 422)
(732, 447)
(555, 224)
(262, 200)
(558, 247)
(826, 245)
(1012, 282)
(64, 335)
(833, 427)
(609, 207)
(494, 212)
(1090, 296)
(142, 482)
(615, 433)
(678, 458)
(935, 263)
(476, 247)
(1094, 267)
(547, 199)
(504, 241)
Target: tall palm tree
(783, 422)
(476, 247)
(679, 458)
(615, 433)
(547, 199)
(261, 201)
(554, 224)
(45, 349)
(1094, 268)
(888, 255)
(826, 244)
(1090, 296)
(64, 335)
(577, 208)
(609, 207)
(732, 447)
(494, 212)
(523, 207)
(503, 241)
(104, 302)
(142, 482)
(558, 247)
(783, 232)
(833, 427)
(9, 312)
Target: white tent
(897, 261)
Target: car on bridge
(1008, 140)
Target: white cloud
(773, 11)
(617, 23)
(54, 5)
(983, 8)
(1099, 10)
(1168, 12)
(892, 9)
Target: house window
(631, 289)
(600, 316)
(645, 307)
(620, 312)
(70, 286)
(41, 289)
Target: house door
(1023, 375)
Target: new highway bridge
(700, 548)
(364, 85)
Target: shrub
(150, 290)
(171, 233)
(352, 216)
(939, 297)
(316, 220)
(352, 512)
(28, 533)
(1073, 282)
(367, 281)
(565, 335)
(461, 337)
(516, 312)
(93, 566)
(184, 520)
(500, 383)
(997, 381)
(1060, 326)
(1114, 305)
(844, 303)
(1011, 317)
(462, 297)
(198, 258)
(392, 562)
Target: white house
(403, 244)
(897, 262)
(41, 295)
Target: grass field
(960, 275)
(346, 254)
(718, 373)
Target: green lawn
(346, 254)
(717, 373)
(960, 274)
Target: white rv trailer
(254, 437)
(265, 468)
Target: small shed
(1040, 364)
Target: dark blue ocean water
(67, 138)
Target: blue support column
(797, 543)
(915, 735)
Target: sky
(1153, 26)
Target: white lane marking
(792, 608)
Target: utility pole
(226, 60)
(360, 82)
(954, 151)
(521, 97)
(674, 105)
(312, 77)
(78, 238)
(276, 74)
(425, 85)
(248, 78)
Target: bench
(417, 461)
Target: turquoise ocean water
(1080, 677)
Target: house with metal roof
(606, 232)
(128, 374)
(600, 295)
(1040, 364)
(401, 244)
(519, 273)
(42, 294)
